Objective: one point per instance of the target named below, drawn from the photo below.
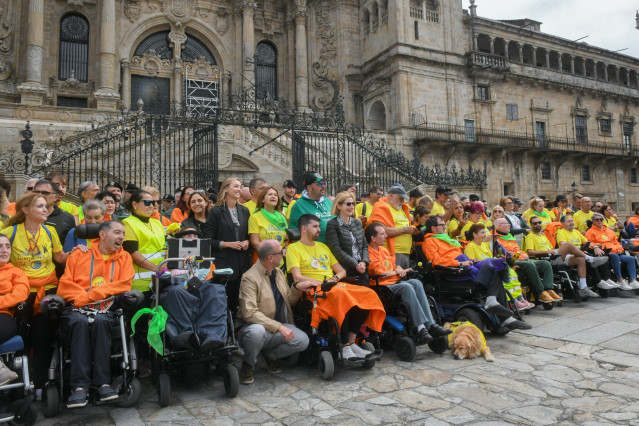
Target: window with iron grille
(74, 48)
(605, 126)
(546, 172)
(627, 137)
(633, 175)
(469, 126)
(512, 112)
(266, 71)
(581, 132)
(585, 173)
(483, 93)
(159, 42)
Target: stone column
(106, 97)
(226, 88)
(248, 42)
(475, 43)
(31, 91)
(492, 45)
(521, 52)
(547, 58)
(126, 85)
(534, 56)
(572, 64)
(594, 69)
(301, 56)
(605, 74)
(617, 75)
(178, 90)
(290, 35)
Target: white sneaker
(586, 292)
(634, 284)
(614, 284)
(599, 260)
(359, 351)
(623, 285)
(348, 353)
(6, 375)
(605, 285)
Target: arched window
(265, 71)
(159, 42)
(74, 48)
(377, 117)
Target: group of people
(353, 245)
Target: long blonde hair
(27, 200)
(339, 199)
(221, 195)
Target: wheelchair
(17, 396)
(123, 355)
(398, 330)
(194, 362)
(325, 345)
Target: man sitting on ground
(91, 280)
(411, 291)
(440, 249)
(265, 308)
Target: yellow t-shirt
(462, 234)
(529, 213)
(37, 263)
(536, 242)
(573, 237)
(315, 262)
(288, 210)
(69, 208)
(452, 225)
(403, 242)
(360, 207)
(437, 209)
(580, 220)
(258, 224)
(478, 251)
(611, 223)
(251, 206)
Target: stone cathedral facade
(443, 84)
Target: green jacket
(320, 208)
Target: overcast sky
(609, 24)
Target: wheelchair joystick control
(326, 286)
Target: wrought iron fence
(445, 132)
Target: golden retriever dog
(467, 341)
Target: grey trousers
(253, 338)
(412, 294)
(402, 260)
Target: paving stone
(431, 378)
(603, 332)
(417, 400)
(591, 404)
(456, 416)
(616, 358)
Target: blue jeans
(412, 294)
(629, 261)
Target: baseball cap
(443, 189)
(560, 197)
(473, 197)
(131, 187)
(517, 201)
(288, 184)
(365, 194)
(543, 197)
(113, 185)
(311, 178)
(168, 197)
(399, 190)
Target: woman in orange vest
(181, 209)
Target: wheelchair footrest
(371, 357)
(6, 417)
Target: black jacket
(338, 239)
(219, 227)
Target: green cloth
(156, 326)
(276, 218)
(541, 214)
(448, 239)
(507, 237)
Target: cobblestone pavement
(578, 365)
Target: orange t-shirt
(381, 262)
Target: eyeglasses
(509, 202)
(277, 253)
(535, 223)
(45, 193)
(441, 224)
(599, 219)
(149, 202)
(349, 204)
(29, 188)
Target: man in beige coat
(265, 310)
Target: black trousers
(8, 327)
(353, 322)
(90, 344)
(40, 341)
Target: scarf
(507, 237)
(276, 218)
(448, 239)
(541, 214)
(156, 326)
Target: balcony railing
(462, 134)
(432, 16)
(416, 12)
(486, 60)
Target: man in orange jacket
(440, 249)
(92, 280)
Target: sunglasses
(321, 183)
(535, 223)
(45, 193)
(349, 204)
(149, 202)
(599, 219)
(29, 188)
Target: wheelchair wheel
(470, 315)
(50, 400)
(164, 389)
(368, 364)
(131, 393)
(326, 365)
(290, 361)
(405, 349)
(548, 306)
(604, 293)
(27, 419)
(438, 346)
(231, 381)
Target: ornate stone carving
(202, 69)
(179, 12)
(71, 86)
(151, 62)
(221, 20)
(178, 38)
(324, 67)
(75, 3)
(6, 31)
(7, 71)
(132, 9)
(267, 27)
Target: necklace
(33, 249)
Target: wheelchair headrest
(293, 235)
(87, 231)
(132, 298)
(52, 305)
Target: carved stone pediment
(222, 20)
(202, 69)
(133, 9)
(179, 12)
(71, 86)
(150, 63)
